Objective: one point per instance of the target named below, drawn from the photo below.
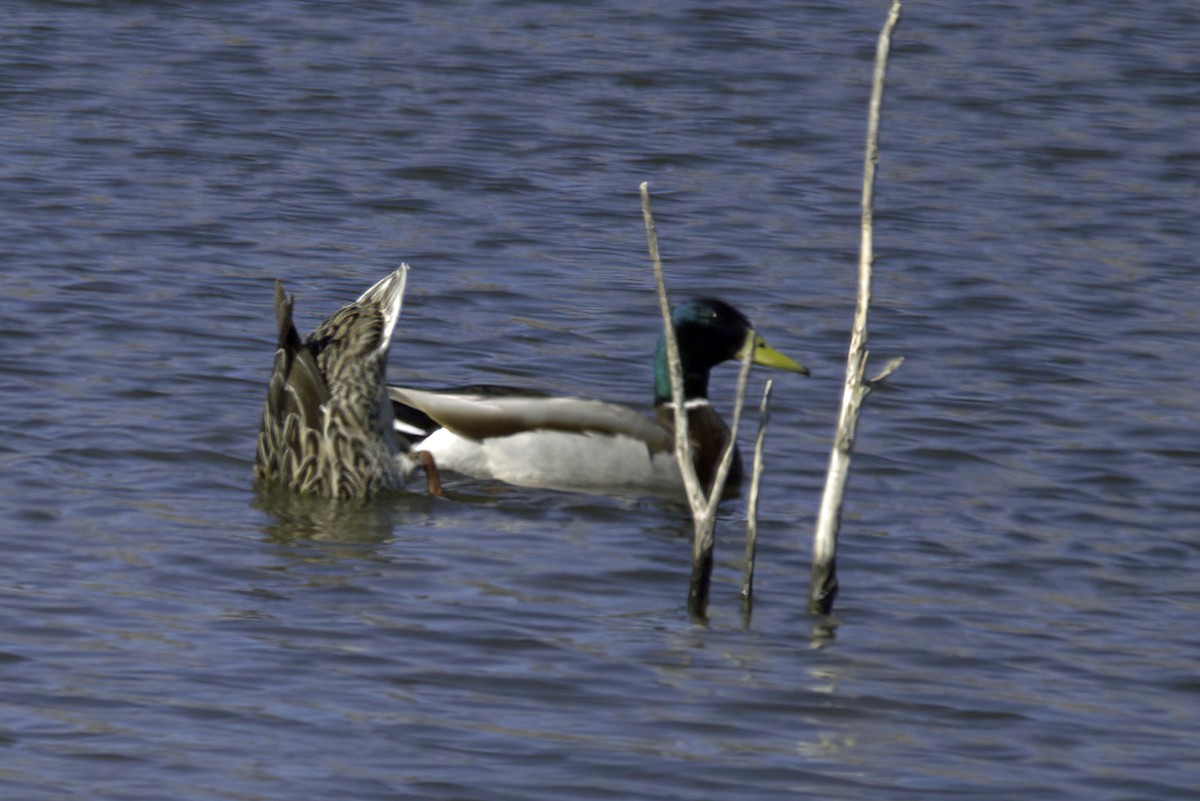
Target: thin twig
(691, 481)
(739, 401)
(764, 417)
(824, 586)
(704, 537)
(889, 368)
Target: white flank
(558, 460)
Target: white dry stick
(691, 482)
(704, 509)
(824, 585)
(764, 417)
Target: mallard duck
(532, 439)
(327, 423)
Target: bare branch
(764, 417)
(824, 586)
(683, 456)
(704, 508)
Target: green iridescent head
(710, 331)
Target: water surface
(1019, 550)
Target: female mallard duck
(327, 423)
(535, 440)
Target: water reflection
(300, 517)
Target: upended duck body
(531, 439)
(327, 425)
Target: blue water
(1019, 552)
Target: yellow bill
(767, 356)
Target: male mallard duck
(327, 423)
(535, 440)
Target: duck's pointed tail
(388, 297)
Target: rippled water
(1019, 559)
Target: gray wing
(484, 414)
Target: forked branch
(703, 507)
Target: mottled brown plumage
(327, 424)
